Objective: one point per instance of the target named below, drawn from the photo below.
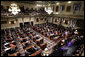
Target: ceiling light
(69, 1)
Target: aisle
(19, 45)
(50, 43)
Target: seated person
(14, 43)
(5, 54)
(13, 51)
(8, 51)
(66, 32)
(24, 40)
(27, 53)
(37, 28)
(48, 33)
(48, 30)
(35, 47)
(36, 38)
(7, 46)
(33, 34)
(24, 46)
(39, 42)
(18, 54)
(53, 36)
(30, 36)
(42, 32)
(21, 36)
(27, 44)
(56, 33)
(31, 42)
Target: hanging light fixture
(69, 2)
(48, 9)
(14, 9)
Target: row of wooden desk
(44, 30)
(39, 42)
(28, 33)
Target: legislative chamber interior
(42, 28)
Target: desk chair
(8, 51)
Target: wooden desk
(39, 39)
(33, 37)
(26, 42)
(22, 38)
(13, 54)
(29, 47)
(56, 37)
(11, 42)
(41, 32)
(36, 53)
(49, 37)
(13, 46)
(60, 33)
(43, 46)
(45, 34)
(66, 36)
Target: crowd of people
(25, 42)
(67, 37)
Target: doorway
(28, 24)
(21, 25)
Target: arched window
(77, 6)
(68, 8)
(37, 20)
(57, 8)
(62, 7)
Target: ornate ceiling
(40, 2)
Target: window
(66, 21)
(37, 20)
(45, 19)
(21, 8)
(41, 18)
(62, 7)
(68, 8)
(77, 6)
(53, 7)
(12, 22)
(3, 22)
(55, 20)
(57, 8)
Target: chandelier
(48, 9)
(14, 9)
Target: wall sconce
(9, 22)
(57, 3)
(14, 21)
